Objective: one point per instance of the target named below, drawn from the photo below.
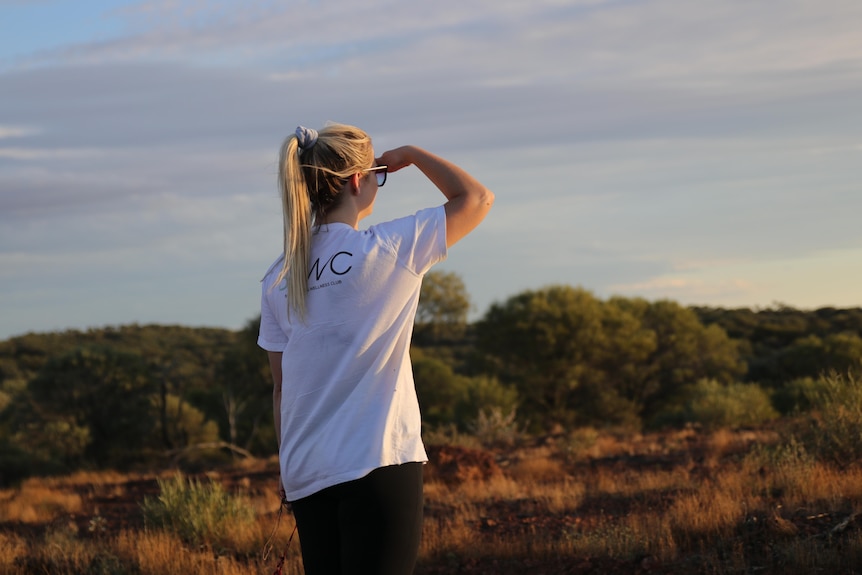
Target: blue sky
(709, 153)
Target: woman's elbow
(488, 198)
(484, 201)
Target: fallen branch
(179, 453)
(841, 527)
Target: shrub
(450, 398)
(484, 394)
(837, 430)
(440, 390)
(449, 434)
(604, 407)
(495, 428)
(579, 443)
(794, 397)
(199, 513)
(714, 405)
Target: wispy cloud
(8, 132)
(660, 147)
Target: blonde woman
(337, 312)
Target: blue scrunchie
(306, 137)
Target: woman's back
(348, 400)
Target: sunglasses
(380, 172)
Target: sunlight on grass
(709, 512)
(538, 468)
(35, 502)
(162, 553)
(723, 502)
(199, 512)
(90, 479)
(12, 548)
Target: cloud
(7, 132)
(691, 290)
(633, 145)
(798, 280)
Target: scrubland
(686, 501)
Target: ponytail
(296, 210)
(312, 173)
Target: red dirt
(106, 513)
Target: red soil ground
(111, 513)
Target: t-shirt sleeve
(271, 337)
(418, 240)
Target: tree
(245, 392)
(813, 356)
(557, 346)
(578, 360)
(101, 397)
(713, 405)
(447, 397)
(443, 306)
(439, 389)
(685, 351)
(767, 338)
(188, 424)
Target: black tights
(370, 525)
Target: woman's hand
(397, 158)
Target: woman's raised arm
(468, 200)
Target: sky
(708, 153)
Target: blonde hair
(311, 180)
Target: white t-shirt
(348, 402)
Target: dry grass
(713, 503)
(727, 503)
(160, 553)
(89, 479)
(537, 468)
(37, 502)
(11, 548)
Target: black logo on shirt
(337, 264)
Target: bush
(198, 513)
(580, 442)
(483, 393)
(493, 428)
(714, 405)
(440, 390)
(794, 397)
(448, 398)
(604, 407)
(837, 430)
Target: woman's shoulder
(408, 224)
(274, 268)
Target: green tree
(685, 351)
(439, 389)
(244, 392)
(813, 356)
(101, 397)
(766, 336)
(554, 343)
(714, 405)
(575, 359)
(449, 398)
(188, 423)
(443, 306)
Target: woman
(337, 312)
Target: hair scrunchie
(306, 137)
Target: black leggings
(370, 525)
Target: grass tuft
(199, 513)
